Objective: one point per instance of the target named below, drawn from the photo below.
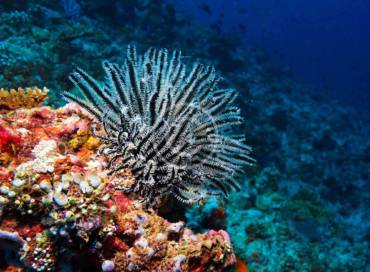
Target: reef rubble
(60, 209)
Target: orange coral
(241, 266)
(12, 269)
(21, 98)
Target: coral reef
(175, 131)
(305, 205)
(22, 98)
(36, 35)
(58, 206)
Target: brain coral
(173, 129)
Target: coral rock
(60, 206)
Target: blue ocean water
(301, 71)
(324, 43)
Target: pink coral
(8, 140)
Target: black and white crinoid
(174, 130)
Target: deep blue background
(325, 42)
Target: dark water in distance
(326, 43)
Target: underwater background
(323, 43)
(301, 70)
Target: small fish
(206, 8)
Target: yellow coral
(22, 98)
(77, 142)
(92, 143)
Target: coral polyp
(174, 130)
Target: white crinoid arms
(174, 130)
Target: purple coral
(107, 266)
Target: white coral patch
(85, 187)
(94, 165)
(38, 165)
(45, 148)
(23, 131)
(60, 199)
(45, 158)
(95, 181)
(179, 260)
(71, 120)
(141, 242)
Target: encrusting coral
(174, 130)
(22, 98)
(60, 208)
